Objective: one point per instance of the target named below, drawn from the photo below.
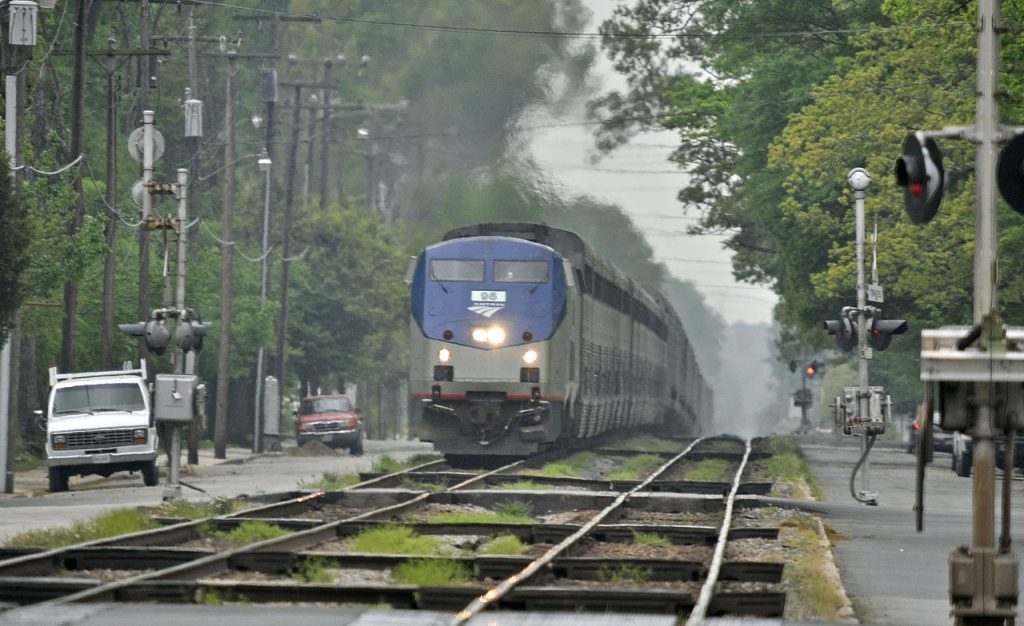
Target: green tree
(14, 243)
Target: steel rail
(700, 609)
(39, 561)
(222, 560)
(497, 592)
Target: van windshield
(91, 398)
(325, 405)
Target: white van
(100, 423)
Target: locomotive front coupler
(431, 405)
(539, 410)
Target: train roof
(569, 245)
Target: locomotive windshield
(521, 271)
(457, 270)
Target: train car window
(521, 271)
(457, 270)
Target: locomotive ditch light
(444, 355)
(496, 335)
(530, 357)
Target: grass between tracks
(245, 533)
(387, 464)
(394, 539)
(109, 524)
(331, 481)
(504, 545)
(807, 574)
(431, 573)
(636, 466)
(788, 464)
(645, 443)
(712, 470)
(569, 467)
(510, 512)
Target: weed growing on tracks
(789, 465)
(394, 539)
(805, 574)
(524, 485)
(636, 466)
(504, 545)
(109, 524)
(197, 510)
(387, 464)
(624, 574)
(509, 512)
(423, 485)
(331, 481)
(431, 573)
(651, 539)
(250, 531)
(569, 467)
(645, 443)
(314, 570)
(711, 470)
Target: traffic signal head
(154, 332)
(919, 171)
(880, 332)
(845, 331)
(792, 365)
(1010, 173)
(189, 333)
(812, 369)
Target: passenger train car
(523, 338)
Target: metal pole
(6, 438)
(864, 352)
(172, 490)
(263, 297)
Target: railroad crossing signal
(190, 330)
(812, 369)
(919, 171)
(880, 332)
(1010, 174)
(845, 331)
(155, 332)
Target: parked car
(963, 454)
(942, 440)
(332, 420)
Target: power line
(680, 34)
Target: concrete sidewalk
(35, 481)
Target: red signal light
(916, 189)
(810, 371)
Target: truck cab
(100, 423)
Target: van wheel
(150, 475)
(58, 480)
(356, 448)
(963, 464)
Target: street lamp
(264, 164)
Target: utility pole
(144, 80)
(325, 142)
(227, 264)
(107, 323)
(286, 233)
(69, 324)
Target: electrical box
(173, 401)
(21, 26)
(846, 411)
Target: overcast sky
(639, 178)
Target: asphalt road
(32, 507)
(893, 574)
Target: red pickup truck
(331, 420)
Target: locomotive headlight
(480, 335)
(444, 355)
(530, 357)
(496, 335)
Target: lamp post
(265, 164)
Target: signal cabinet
(173, 398)
(847, 415)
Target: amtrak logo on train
(486, 303)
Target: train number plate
(101, 458)
(478, 295)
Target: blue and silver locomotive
(523, 338)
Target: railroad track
(581, 536)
